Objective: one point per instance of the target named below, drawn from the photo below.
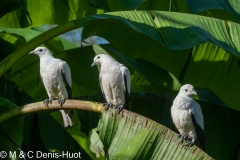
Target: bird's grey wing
(65, 73)
(196, 110)
(100, 82)
(66, 77)
(198, 122)
(126, 84)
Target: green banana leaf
(177, 31)
(132, 136)
(21, 14)
(229, 5)
(138, 36)
(35, 13)
(221, 123)
(124, 5)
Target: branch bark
(39, 107)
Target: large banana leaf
(219, 122)
(176, 31)
(230, 5)
(227, 7)
(131, 136)
(20, 14)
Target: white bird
(114, 79)
(187, 116)
(57, 80)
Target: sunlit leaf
(131, 136)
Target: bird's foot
(119, 108)
(61, 101)
(107, 106)
(47, 101)
(182, 138)
(190, 143)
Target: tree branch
(39, 107)
(32, 44)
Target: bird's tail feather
(67, 120)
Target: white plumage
(56, 77)
(187, 116)
(114, 79)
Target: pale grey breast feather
(183, 102)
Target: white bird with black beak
(114, 79)
(57, 80)
(187, 116)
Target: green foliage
(162, 50)
(35, 13)
(221, 123)
(131, 136)
(228, 5)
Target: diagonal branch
(7, 63)
(39, 107)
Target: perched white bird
(187, 116)
(114, 79)
(56, 77)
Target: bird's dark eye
(98, 57)
(186, 90)
(40, 50)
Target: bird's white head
(98, 59)
(41, 51)
(187, 90)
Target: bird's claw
(47, 101)
(107, 106)
(190, 143)
(61, 101)
(119, 108)
(182, 138)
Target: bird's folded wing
(66, 77)
(127, 83)
(198, 122)
(196, 110)
(101, 86)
